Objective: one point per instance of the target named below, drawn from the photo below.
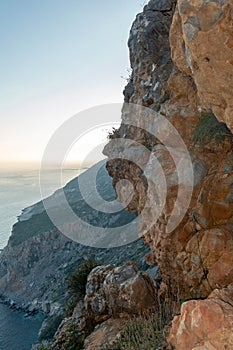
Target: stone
(205, 324)
(35, 247)
(182, 69)
(196, 257)
(113, 294)
(104, 336)
(112, 291)
(205, 38)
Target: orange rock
(197, 256)
(104, 335)
(201, 46)
(205, 324)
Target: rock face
(205, 324)
(196, 257)
(181, 59)
(202, 47)
(182, 71)
(112, 295)
(150, 54)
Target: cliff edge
(181, 59)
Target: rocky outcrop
(55, 255)
(112, 295)
(112, 291)
(202, 47)
(150, 55)
(181, 59)
(191, 41)
(205, 324)
(105, 335)
(196, 257)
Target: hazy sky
(58, 57)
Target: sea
(16, 331)
(19, 188)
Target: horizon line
(37, 163)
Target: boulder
(104, 335)
(205, 324)
(112, 291)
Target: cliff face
(205, 324)
(180, 57)
(38, 258)
(202, 47)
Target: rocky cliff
(182, 74)
(36, 263)
(164, 46)
(181, 58)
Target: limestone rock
(150, 54)
(72, 329)
(111, 291)
(196, 257)
(202, 47)
(205, 324)
(112, 295)
(182, 68)
(104, 335)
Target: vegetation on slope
(210, 129)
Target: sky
(58, 57)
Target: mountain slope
(35, 263)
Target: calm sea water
(20, 189)
(16, 331)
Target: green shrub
(210, 129)
(74, 340)
(78, 279)
(42, 347)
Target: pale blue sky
(57, 58)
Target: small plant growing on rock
(114, 134)
(73, 341)
(148, 331)
(210, 129)
(42, 347)
(78, 279)
(149, 144)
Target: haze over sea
(19, 188)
